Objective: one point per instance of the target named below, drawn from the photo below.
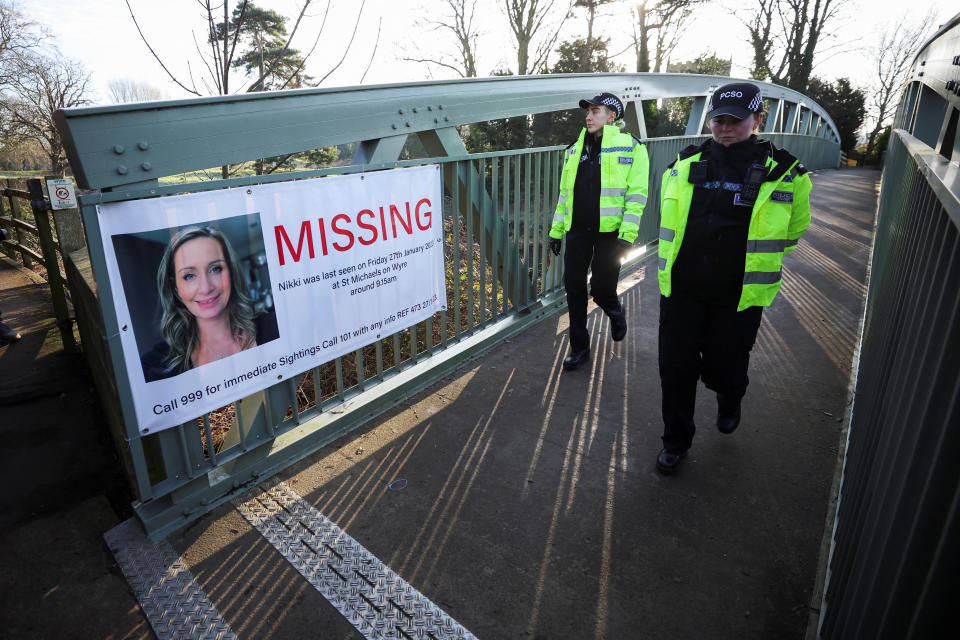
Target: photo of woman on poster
(206, 312)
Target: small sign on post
(63, 193)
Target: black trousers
(704, 341)
(590, 251)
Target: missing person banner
(223, 293)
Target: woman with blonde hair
(207, 314)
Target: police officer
(731, 208)
(603, 190)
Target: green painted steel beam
(115, 145)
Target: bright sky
(101, 34)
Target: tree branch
(156, 57)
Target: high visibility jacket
(779, 217)
(624, 172)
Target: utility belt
(748, 191)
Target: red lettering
(343, 232)
(282, 238)
(360, 223)
(427, 214)
(383, 223)
(396, 215)
(323, 235)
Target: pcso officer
(731, 208)
(603, 190)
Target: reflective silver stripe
(766, 246)
(611, 211)
(761, 277)
(562, 200)
(558, 217)
(635, 197)
(613, 192)
(662, 264)
(667, 234)
(631, 218)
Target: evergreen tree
(845, 105)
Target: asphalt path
(522, 500)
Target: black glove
(555, 246)
(624, 247)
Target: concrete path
(531, 507)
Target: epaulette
(784, 160)
(637, 140)
(689, 151)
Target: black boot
(728, 413)
(8, 335)
(575, 359)
(618, 324)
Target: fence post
(17, 215)
(69, 227)
(49, 248)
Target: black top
(712, 256)
(155, 361)
(586, 187)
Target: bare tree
(659, 23)
(218, 53)
(893, 54)
(130, 90)
(531, 25)
(18, 35)
(593, 12)
(786, 36)
(43, 85)
(461, 24)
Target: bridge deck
(527, 504)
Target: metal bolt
(142, 145)
(122, 170)
(408, 124)
(429, 107)
(439, 106)
(436, 120)
(446, 119)
(414, 109)
(249, 191)
(394, 125)
(146, 166)
(118, 149)
(400, 111)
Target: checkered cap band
(608, 100)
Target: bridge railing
(500, 277)
(895, 546)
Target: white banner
(222, 293)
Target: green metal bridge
(502, 284)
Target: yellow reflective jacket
(624, 172)
(780, 215)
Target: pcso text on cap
(738, 99)
(608, 100)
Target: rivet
(118, 149)
(142, 145)
(146, 166)
(122, 170)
